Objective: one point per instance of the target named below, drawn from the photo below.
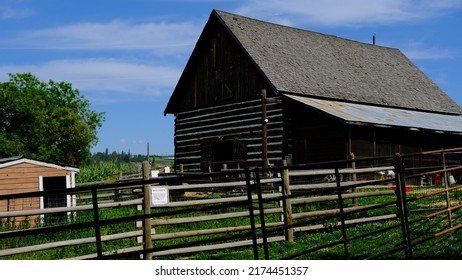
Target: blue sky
(126, 56)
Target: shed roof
(11, 161)
(360, 114)
(302, 62)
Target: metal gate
(413, 198)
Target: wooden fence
(218, 211)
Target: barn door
(216, 154)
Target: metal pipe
(251, 214)
(262, 215)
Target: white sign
(159, 196)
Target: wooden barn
(257, 92)
(20, 175)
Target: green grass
(75, 250)
(445, 247)
(448, 246)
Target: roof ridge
(301, 29)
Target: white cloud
(103, 76)
(147, 64)
(352, 12)
(417, 52)
(10, 10)
(157, 37)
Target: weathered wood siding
(218, 73)
(24, 177)
(195, 130)
(313, 137)
(220, 108)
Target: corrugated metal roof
(361, 114)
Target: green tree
(46, 121)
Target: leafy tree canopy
(50, 121)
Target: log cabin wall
(227, 134)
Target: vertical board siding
(218, 73)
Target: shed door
(54, 200)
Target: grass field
(445, 246)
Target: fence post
(117, 191)
(446, 187)
(402, 204)
(147, 211)
(354, 178)
(342, 212)
(289, 232)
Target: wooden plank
(183, 234)
(329, 212)
(197, 249)
(327, 185)
(325, 198)
(119, 251)
(173, 221)
(11, 214)
(218, 200)
(314, 172)
(348, 222)
(67, 243)
(229, 185)
(221, 246)
(214, 111)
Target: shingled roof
(317, 65)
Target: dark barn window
(218, 154)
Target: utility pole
(147, 156)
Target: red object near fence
(408, 188)
(438, 179)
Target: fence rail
(242, 208)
